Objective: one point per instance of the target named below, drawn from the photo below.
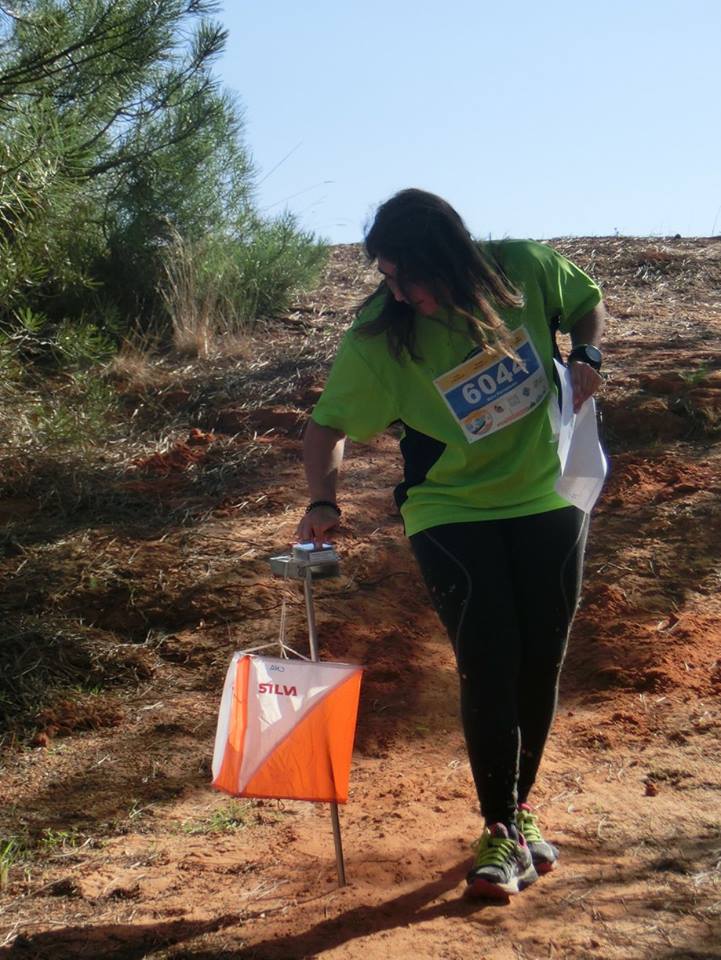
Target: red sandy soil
(629, 787)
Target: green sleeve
(568, 292)
(355, 399)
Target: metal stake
(313, 637)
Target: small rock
(66, 887)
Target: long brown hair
(429, 244)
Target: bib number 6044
(486, 384)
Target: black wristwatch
(587, 353)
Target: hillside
(132, 571)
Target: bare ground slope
(133, 856)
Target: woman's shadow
(130, 942)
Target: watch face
(589, 354)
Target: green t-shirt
(497, 466)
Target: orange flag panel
(286, 729)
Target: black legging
(506, 592)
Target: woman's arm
(584, 378)
(322, 457)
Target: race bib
(485, 395)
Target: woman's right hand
(316, 525)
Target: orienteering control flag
(286, 728)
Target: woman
(457, 344)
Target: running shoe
(503, 864)
(544, 854)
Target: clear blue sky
(533, 119)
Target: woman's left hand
(585, 381)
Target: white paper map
(583, 462)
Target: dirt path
(142, 859)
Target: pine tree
(114, 137)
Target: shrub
(218, 287)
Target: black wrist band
(323, 503)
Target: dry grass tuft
(194, 308)
(134, 368)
